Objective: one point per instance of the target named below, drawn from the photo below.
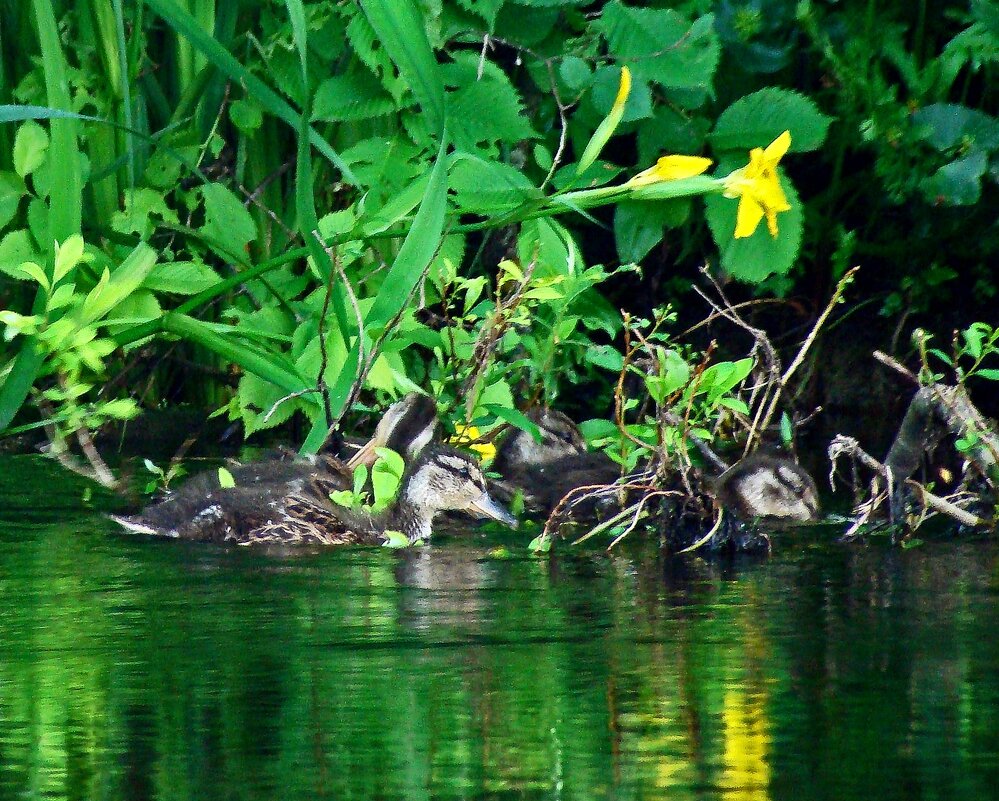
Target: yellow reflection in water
(746, 773)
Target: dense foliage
(266, 206)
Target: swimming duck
(407, 426)
(441, 479)
(546, 470)
(766, 486)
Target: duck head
(560, 439)
(769, 486)
(443, 479)
(407, 427)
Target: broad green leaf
(226, 480)
(16, 247)
(958, 183)
(948, 125)
(487, 9)
(181, 277)
(395, 540)
(141, 207)
(755, 258)
(356, 95)
(30, 146)
(482, 110)
(757, 119)
(639, 226)
(661, 45)
(226, 219)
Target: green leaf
(639, 226)
(181, 277)
(754, 258)
(482, 186)
(246, 115)
(487, 9)
(226, 480)
(948, 125)
(184, 23)
(990, 374)
(483, 110)
(15, 248)
(141, 207)
(606, 356)
(395, 540)
(67, 256)
(958, 183)
(11, 191)
(227, 221)
(386, 475)
(357, 95)
(33, 271)
(417, 250)
(30, 145)
(660, 45)
(757, 119)
(115, 287)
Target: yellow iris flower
(671, 168)
(758, 188)
(466, 436)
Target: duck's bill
(484, 506)
(364, 455)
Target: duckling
(768, 486)
(440, 479)
(407, 427)
(546, 471)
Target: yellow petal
(772, 222)
(748, 217)
(776, 149)
(671, 168)
(623, 89)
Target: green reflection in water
(131, 668)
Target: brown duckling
(546, 470)
(407, 427)
(766, 486)
(440, 479)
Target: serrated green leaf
(401, 32)
(486, 110)
(661, 45)
(757, 119)
(355, 96)
(487, 9)
(754, 258)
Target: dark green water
(133, 669)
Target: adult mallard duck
(547, 469)
(441, 479)
(767, 486)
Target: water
(134, 669)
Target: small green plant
(383, 479)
